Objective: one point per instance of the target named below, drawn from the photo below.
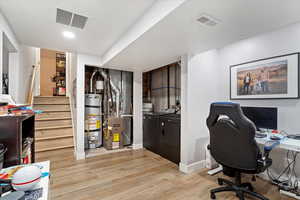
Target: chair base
(239, 188)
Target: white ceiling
(34, 22)
(179, 33)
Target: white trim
(187, 169)
(137, 146)
(289, 194)
(80, 155)
(73, 122)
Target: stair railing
(32, 84)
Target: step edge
(54, 148)
(49, 104)
(69, 128)
(51, 97)
(37, 139)
(47, 111)
(52, 127)
(53, 119)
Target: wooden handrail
(32, 85)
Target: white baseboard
(80, 155)
(192, 167)
(137, 146)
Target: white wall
(20, 63)
(200, 86)
(82, 60)
(5, 29)
(137, 109)
(28, 59)
(280, 42)
(208, 80)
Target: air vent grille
(70, 19)
(207, 20)
(63, 17)
(79, 21)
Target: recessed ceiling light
(68, 34)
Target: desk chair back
(232, 137)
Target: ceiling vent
(208, 20)
(79, 21)
(63, 17)
(70, 19)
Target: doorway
(52, 73)
(8, 51)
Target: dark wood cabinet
(170, 139)
(13, 132)
(161, 135)
(151, 131)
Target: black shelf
(13, 132)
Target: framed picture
(270, 78)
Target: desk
(285, 143)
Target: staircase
(53, 128)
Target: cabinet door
(170, 139)
(151, 133)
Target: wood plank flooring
(133, 175)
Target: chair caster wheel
(212, 196)
(248, 186)
(251, 188)
(220, 182)
(239, 195)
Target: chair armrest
(265, 161)
(269, 146)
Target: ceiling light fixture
(68, 34)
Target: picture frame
(269, 78)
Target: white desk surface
(44, 183)
(285, 143)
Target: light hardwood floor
(133, 175)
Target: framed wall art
(270, 78)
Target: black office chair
(233, 145)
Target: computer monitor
(262, 117)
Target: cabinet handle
(163, 132)
(162, 124)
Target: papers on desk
(33, 195)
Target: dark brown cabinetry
(151, 133)
(13, 132)
(162, 135)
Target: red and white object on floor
(26, 178)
